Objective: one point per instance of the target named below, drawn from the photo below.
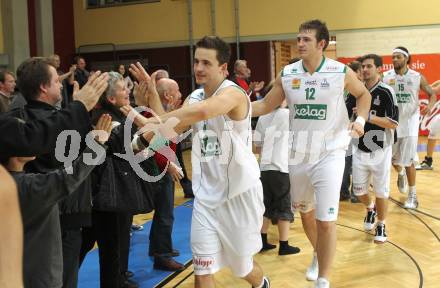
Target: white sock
(412, 190)
(371, 206)
(381, 222)
(402, 172)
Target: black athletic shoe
(288, 250)
(426, 164)
(369, 219)
(381, 236)
(266, 282)
(267, 246)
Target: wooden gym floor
(410, 258)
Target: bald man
(169, 93)
(161, 246)
(185, 182)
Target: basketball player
(314, 89)
(228, 206)
(434, 132)
(372, 154)
(407, 84)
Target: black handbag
(119, 189)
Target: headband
(402, 52)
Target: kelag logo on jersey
(403, 97)
(210, 146)
(311, 111)
(296, 83)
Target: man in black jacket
(38, 136)
(39, 195)
(40, 86)
(34, 138)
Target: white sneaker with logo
(322, 283)
(313, 269)
(411, 202)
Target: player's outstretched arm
(272, 100)
(432, 96)
(363, 100)
(223, 103)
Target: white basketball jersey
(223, 165)
(407, 89)
(318, 115)
(273, 133)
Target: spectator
(127, 80)
(7, 87)
(161, 246)
(81, 74)
(39, 194)
(242, 75)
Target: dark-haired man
(81, 75)
(314, 89)
(407, 84)
(7, 86)
(39, 84)
(372, 154)
(228, 206)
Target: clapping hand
(89, 94)
(103, 128)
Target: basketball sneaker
(266, 282)
(322, 283)
(381, 236)
(369, 219)
(411, 202)
(426, 164)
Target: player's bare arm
(272, 100)
(431, 95)
(363, 100)
(383, 122)
(230, 101)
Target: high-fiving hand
(89, 94)
(103, 128)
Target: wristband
(360, 120)
(158, 142)
(139, 143)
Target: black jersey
(383, 104)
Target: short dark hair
(321, 30)
(294, 60)
(376, 59)
(32, 73)
(3, 75)
(4, 160)
(406, 50)
(217, 44)
(355, 65)
(76, 59)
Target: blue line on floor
(139, 261)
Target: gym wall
(2, 49)
(166, 22)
